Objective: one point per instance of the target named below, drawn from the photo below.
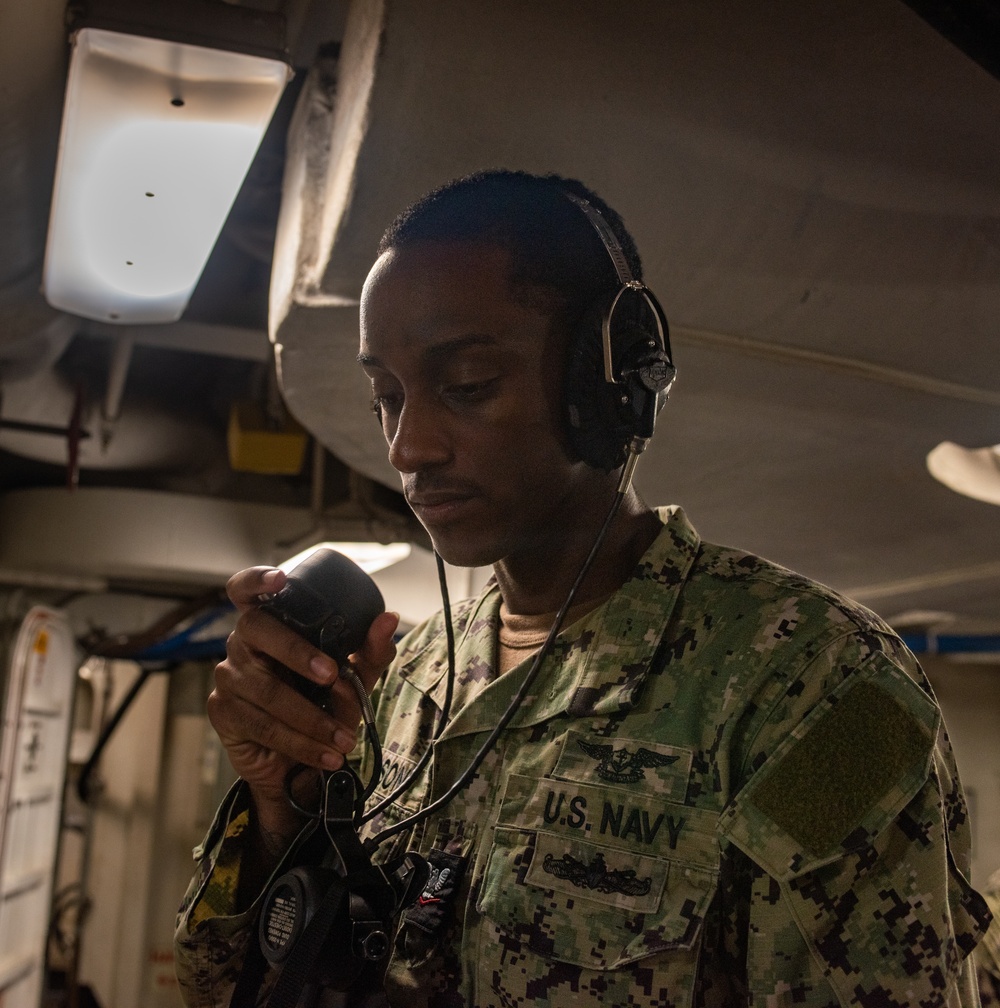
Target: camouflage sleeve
(855, 827)
(210, 938)
(988, 951)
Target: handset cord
(445, 709)
(525, 686)
(350, 677)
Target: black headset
(619, 368)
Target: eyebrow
(437, 351)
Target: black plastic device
(331, 602)
(328, 921)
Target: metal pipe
(43, 579)
(118, 366)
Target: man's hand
(265, 724)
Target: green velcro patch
(845, 764)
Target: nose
(419, 439)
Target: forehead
(431, 290)
(442, 264)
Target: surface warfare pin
(596, 875)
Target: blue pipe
(923, 643)
(183, 647)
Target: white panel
(32, 772)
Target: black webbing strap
(336, 842)
(254, 969)
(251, 977)
(302, 960)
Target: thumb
(378, 650)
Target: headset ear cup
(597, 434)
(603, 417)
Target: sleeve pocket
(842, 775)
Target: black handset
(331, 601)
(328, 919)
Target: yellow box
(260, 447)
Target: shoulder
(783, 646)
(732, 588)
(728, 568)
(772, 605)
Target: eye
(386, 391)
(469, 393)
(384, 403)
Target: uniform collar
(609, 650)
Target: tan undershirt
(518, 636)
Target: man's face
(466, 374)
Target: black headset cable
(445, 709)
(463, 781)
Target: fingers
(246, 587)
(262, 633)
(266, 724)
(254, 700)
(258, 634)
(266, 727)
(368, 664)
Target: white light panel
(156, 140)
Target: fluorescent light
(974, 472)
(369, 556)
(157, 137)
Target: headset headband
(628, 283)
(607, 236)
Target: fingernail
(322, 668)
(270, 578)
(345, 741)
(332, 760)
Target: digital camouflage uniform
(727, 786)
(988, 950)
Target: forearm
(273, 826)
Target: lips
(441, 504)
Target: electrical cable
(182, 647)
(83, 785)
(867, 370)
(371, 731)
(129, 647)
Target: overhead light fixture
(158, 132)
(369, 556)
(974, 472)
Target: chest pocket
(598, 876)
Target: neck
(539, 582)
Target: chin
(462, 553)
(466, 558)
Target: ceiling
(814, 190)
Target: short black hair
(551, 242)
